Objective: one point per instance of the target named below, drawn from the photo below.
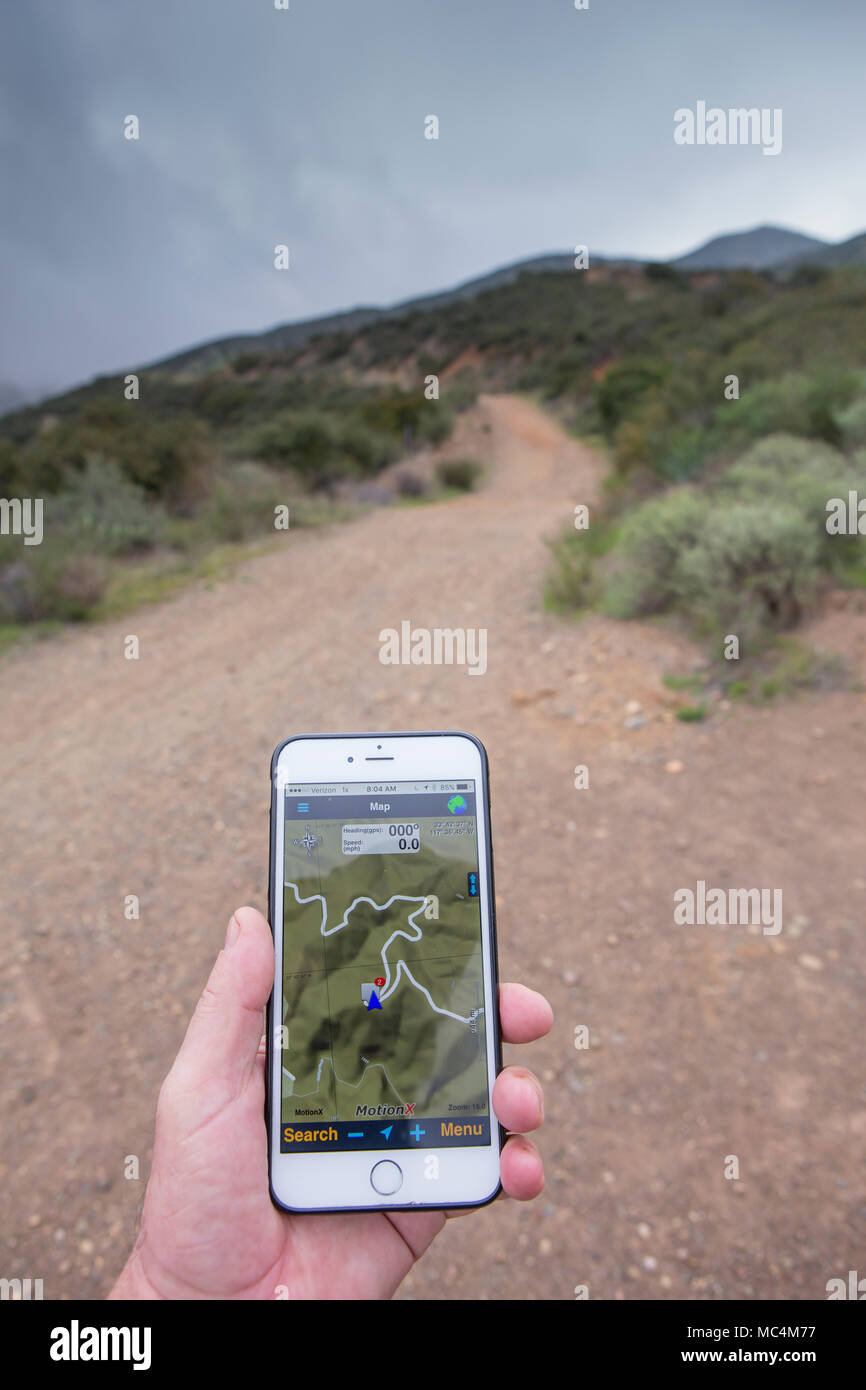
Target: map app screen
(383, 1006)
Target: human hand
(209, 1228)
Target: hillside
(758, 249)
(637, 354)
(851, 252)
(290, 335)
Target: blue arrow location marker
(387, 1132)
(374, 1002)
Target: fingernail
(232, 933)
(540, 1091)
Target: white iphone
(383, 1026)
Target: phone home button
(387, 1178)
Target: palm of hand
(209, 1229)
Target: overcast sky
(306, 127)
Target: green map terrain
(340, 1055)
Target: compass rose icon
(309, 841)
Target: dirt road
(150, 777)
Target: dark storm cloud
(306, 127)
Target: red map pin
(380, 980)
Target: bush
(247, 362)
(12, 482)
(744, 556)
(50, 459)
(305, 441)
(654, 538)
(573, 581)
(322, 449)
(244, 502)
(409, 484)
(754, 570)
(368, 450)
(623, 387)
(692, 714)
(797, 403)
(852, 424)
(782, 470)
(396, 413)
(435, 422)
(662, 273)
(54, 580)
(746, 567)
(108, 512)
(640, 440)
(172, 460)
(222, 401)
(462, 474)
(779, 457)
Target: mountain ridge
(779, 250)
(767, 247)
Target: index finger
(525, 1014)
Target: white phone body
(335, 1049)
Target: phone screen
(383, 1039)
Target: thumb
(222, 1040)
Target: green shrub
(108, 513)
(12, 480)
(639, 441)
(462, 474)
(175, 462)
(243, 503)
(691, 682)
(409, 484)
(852, 424)
(662, 273)
(435, 423)
(682, 452)
(222, 401)
(782, 470)
(754, 570)
(48, 460)
(796, 403)
(54, 580)
(625, 385)
(247, 362)
(305, 441)
(778, 457)
(367, 449)
(395, 413)
(644, 576)
(573, 582)
(692, 714)
(743, 567)
(322, 449)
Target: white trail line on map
(401, 966)
(353, 1085)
